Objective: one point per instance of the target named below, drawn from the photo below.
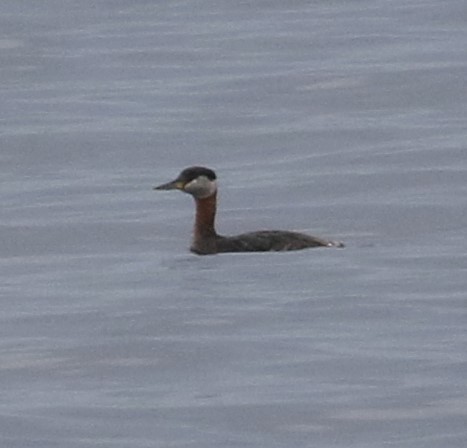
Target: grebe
(200, 182)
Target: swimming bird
(201, 183)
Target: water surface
(346, 120)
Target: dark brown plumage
(200, 182)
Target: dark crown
(191, 173)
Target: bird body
(201, 183)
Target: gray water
(343, 119)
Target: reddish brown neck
(205, 216)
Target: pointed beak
(173, 185)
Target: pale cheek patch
(212, 188)
(201, 187)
